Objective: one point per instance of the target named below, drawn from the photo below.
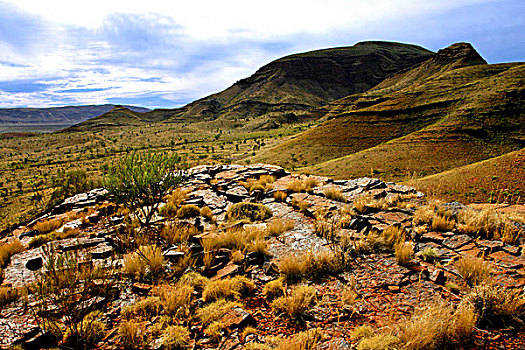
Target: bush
(489, 224)
(140, 181)
(297, 302)
(46, 226)
(248, 211)
(207, 213)
(71, 183)
(168, 210)
(178, 233)
(194, 280)
(188, 211)
(429, 254)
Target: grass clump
(7, 250)
(497, 307)
(361, 332)
(248, 211)
(215, 311)
(489, 224)
(404, 253)
(306, 185)
(278, 226)
(194, 280)
(295, 267)
(207, 213)
(175, 337)
(188, 211)
(46, 226)
(475, 271)
(144, 264)
(132, 334)
(280, 196)
(148, 307)
(335, 194)
(228, 288)
(274, 289)
(306, 340)
(179, 232)
(8, 295)
(176, 300)
(429, 255)
(297, 302)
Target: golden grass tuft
(489, 224)
(475, 271)
(231, 288)
(278, 226)
(188, 211)
(145, 262)
(177, 233)
(8, 295)
(175, 337)
(207, 213)
(194, 280)
(176, 300)
(297, 302)
(335, 194)
(7, 250)
(248, 211)
(215, 311)
(132, 334)
(280, 196)
(306, 340)
(274, 289)
(404, 253)
(306, 185)
(442, 224)
(46, 226)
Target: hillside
(291, 87)
(56, 115)
(452, 110)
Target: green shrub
(248, 211)
(140, 181)
(188, 211)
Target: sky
(165, 54)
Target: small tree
(140, 181)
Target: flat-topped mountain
(291, 87)
(56, 115)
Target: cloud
(161, 54)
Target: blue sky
(165, 54)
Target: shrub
(335, 194)
(7, 250)
(64, 290)
(297, 302)
(274, 289)
(429, 254)
(475, 271)
(175, 338)
(169, 210)
(306, 340)
(249, 211)
(188, 211)
(228, 288)
(257, 187)
(70, 183)
(280, 196)
(140, 181)
(277, 226)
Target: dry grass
(404, 253)
(46, 226)
(497, 307)
(148, 307)
(7, 250)
(442, 224)
(177, 197)
(215, 311)
(306, 185)
(393, 236)
(306, 340)
(147, 262)
(429, 254)
(231, 288)
(301, 205)
(176, 300)
(8, 295)
(280, 196)
(194, 280)
(274, 289)
(179, 232)
(294, 267)
(489, 224)
(278, 226)
(132, 334)
(297, 302)
(207, 213)
(175, 338)
(335, 194)
(168, 210)
(327, 227)
(475, 271)
(248, 211)
(361, 332)
(188, 211)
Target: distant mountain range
(56, 115)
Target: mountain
(56, 115)
(453, 109)
(115, 117)
(292, 87)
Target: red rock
(141, 288)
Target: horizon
(166, 56)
